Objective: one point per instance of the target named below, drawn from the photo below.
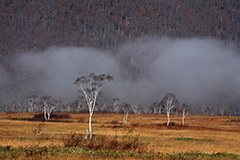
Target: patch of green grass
(47, 138)
(192, 139)
(22, 138)
(165, 145)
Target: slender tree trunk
(45, 114)
(183, 120)
(68, 108)
(48, 116)
(168, 118)
(90, 126)
(86, 134)
(126, 117)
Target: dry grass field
(201, 134)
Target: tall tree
(90, 86)
(169, 101)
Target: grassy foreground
(85, 153)
(25, 136)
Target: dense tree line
(37, 25)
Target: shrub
(74, 140)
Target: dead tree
(49, 104)
(185, 112)
(90, 86)
(169, 101)
(126, 109)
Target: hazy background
(144, 70)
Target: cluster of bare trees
(126, 108)
(91, 85)
(169, 104)
(49, 104)
(220, 109)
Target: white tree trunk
(45, 113)
(125, 117)
(49, 114)
(168, 118)
(90, 126)
(86, 134)
(183, 120)
(68, 107)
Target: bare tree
(126, 109)
(31, 103)
(90, 86)
(156, 108)
(136, 108)
(185, 111)
(79, 105)
(49, 104)
(169, 101)
(15, 107)
(115, 105)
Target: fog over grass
(144, 70)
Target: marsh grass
(101, 142)
(202, 134)
(44, 152)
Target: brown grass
(209, 134)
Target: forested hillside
(37, 25)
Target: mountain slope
(37, 25)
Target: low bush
(114, 122)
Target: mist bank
(197, 71)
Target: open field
(201, 134)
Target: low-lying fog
(195, 70)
